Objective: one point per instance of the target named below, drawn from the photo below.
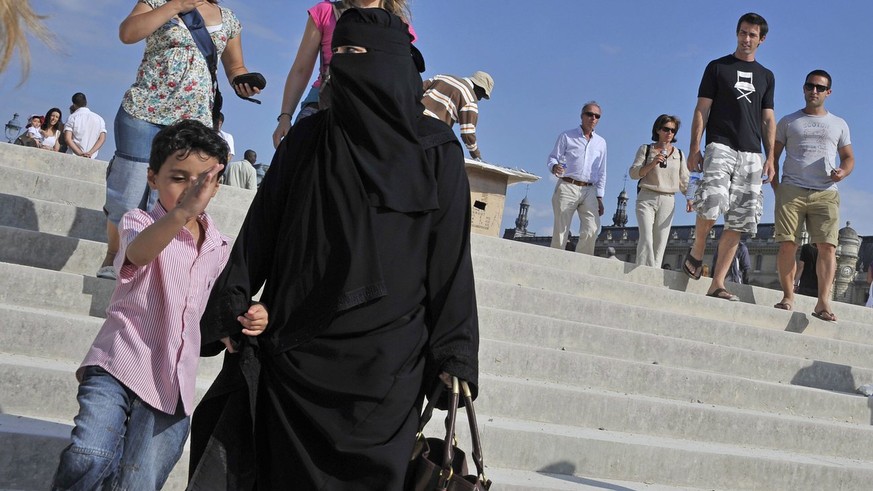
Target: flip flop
(724, 295)
(783, 306)
(697, 263)
(825, 316)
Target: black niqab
(375, 107)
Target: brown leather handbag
(430, 473)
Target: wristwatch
(279, 117)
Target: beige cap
(485, 81)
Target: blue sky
(637, 59)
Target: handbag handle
(478, 458)
(448, 447)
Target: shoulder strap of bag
(197, 27)
(645, 161)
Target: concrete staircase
(596, 374)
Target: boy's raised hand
(197, 196)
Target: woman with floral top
(172, 83)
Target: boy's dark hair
(79, 99)
(754, 19)
(820, 73)
(183, 137)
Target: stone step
(613, 410)
(642, 458)
(670, 351)
(516, 480)
(538, 300)
(574, 369)
(60, 336)
(50, 387)
(32, 447)
(68, 336)
(54, 290)
(853, 324)
(547, 257)
(53, 163)
(228, 209)
(46, 388)
(52, 218)
(92, 171)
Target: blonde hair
(18, 19)
(400, 8)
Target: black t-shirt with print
(739, 90)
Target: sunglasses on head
(591, 114)
(668, 129)
(818, 88)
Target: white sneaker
(107, 272)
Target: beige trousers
(654, 218)
(568, 199)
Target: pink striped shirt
(150, 340)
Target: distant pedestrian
(806, 274)
(739, 267)
(806, 195)
(662, 173)
(735, 107)
(242, 174)
(578, 160)
(85, 131)
(52, 130)
(219, 122)
(454, 99)
(870, 282)
(610, 253)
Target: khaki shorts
(818, 209)
(731, 185)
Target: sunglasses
(818, 88)
(591, 115)
(668, 129)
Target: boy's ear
(152, 178)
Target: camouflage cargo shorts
(731, 186)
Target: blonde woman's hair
(18, 19)
(400, 8)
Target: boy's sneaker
(107, 272)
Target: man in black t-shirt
(735, 107)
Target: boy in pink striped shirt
(137, 382)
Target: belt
(574, 181)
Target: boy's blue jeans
(119, 442)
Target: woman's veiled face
(353, 50)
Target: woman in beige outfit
(661, 170)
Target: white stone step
(642, 458)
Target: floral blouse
(173, 80)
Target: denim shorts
(127, 174)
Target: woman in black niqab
(359, 236)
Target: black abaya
(328, 397)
